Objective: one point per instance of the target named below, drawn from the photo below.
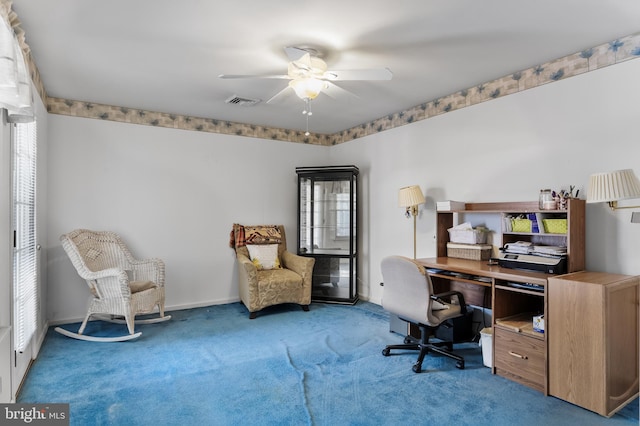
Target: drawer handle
(518, 355)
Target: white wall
(504, 150)
(174, 194)
(171, 194)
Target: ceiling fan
(308, 77)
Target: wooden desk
(588, 354)
(519, 352)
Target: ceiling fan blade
(303, 63)
(294, 53)
(336, 92)
(363, 74)
(230, 76)
(278, 95)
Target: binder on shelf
(535, 226)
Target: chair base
(424, 346)
(116, 320)
(252, 315)
(119, 320)
(97, 339)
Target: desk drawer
(521, 358)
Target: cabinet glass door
(325, 217)
(327, 230)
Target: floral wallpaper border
(616, 51)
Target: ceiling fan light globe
(307, 88)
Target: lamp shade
(410, 196)
(613, 186)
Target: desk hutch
(527, 356)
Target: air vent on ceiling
(237, 100)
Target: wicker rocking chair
(122, 287)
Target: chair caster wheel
(460, 365)
(386, 352)
(417, 368)
(407, 340)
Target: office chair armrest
(448, 295)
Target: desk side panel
(444, 222)
(576, 343)
(622, 346)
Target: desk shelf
(519, 290)
(521, 323)
(471, 280)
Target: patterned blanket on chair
(262, 234)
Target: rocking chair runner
(122, 287)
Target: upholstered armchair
(268, 274)
(121, 286)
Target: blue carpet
(214, 366)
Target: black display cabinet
(328, 230)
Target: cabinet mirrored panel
(328, 230)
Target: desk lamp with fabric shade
(410, 197)
(612, 187)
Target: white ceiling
(165, 56)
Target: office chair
(408, 293)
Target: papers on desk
(550, 250)
(519, 247)
(525, 247)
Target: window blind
(25, 274)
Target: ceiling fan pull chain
(307, 112)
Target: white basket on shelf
(466, 234)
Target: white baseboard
(167, 309)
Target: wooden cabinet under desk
(593, 339)
(520, 352)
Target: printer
(536, 258)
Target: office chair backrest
(407, 289)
